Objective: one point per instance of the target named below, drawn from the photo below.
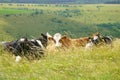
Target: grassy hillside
(102, 63)
(75, 20)
(3, 35)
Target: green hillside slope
(34, 25)
(3, 35)
(73, 20)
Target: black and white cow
(97, 39)
(107, 39)
(25, 47)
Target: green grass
(13, 11)
(101, 63)
(97, 14)
(77, 20)
(3, 35)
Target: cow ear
(97, 33)
(43, 35)
(92, 34)
(48, 35)
(50, 38)
(64, 37)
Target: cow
(98, 39)
(107, 39)
(67, 42)
(25, 47)
(64, 41)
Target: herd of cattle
(35, 48)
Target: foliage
(111, 28)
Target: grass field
(102, 63)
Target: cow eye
(60, 40)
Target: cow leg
(18, 59)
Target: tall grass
(100, 63)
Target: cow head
(96, 38)
(59, 40)
(23, 39)
(55, 38)
(42, 40)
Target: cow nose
(57, 45)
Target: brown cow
(68, 42)
(64, 41)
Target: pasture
(100, 63)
